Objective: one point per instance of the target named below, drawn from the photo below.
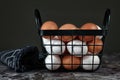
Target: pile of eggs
(72, 52)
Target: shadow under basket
(67, 60)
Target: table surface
(110, 70)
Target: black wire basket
(73, 62)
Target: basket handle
(106, 20)
(38, 20)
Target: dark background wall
(17, 27)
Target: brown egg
(67, 27)
(88, 26)
(49, 25)
(71, 62)
(98, 46)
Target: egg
(45, 40)
(54, 46)
(99, 28)
(48, 40)
(90, 62)
(88, 26)
(71, 62)
(66, 38)
(95, 46)
(52, 62)
(89, 53)
(49, 25)
(56, 37)
(77, 48)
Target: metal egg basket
(61, 33)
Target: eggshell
(71, 62)
(99, 28)
(77, 48)
(56, 37)
(49, 25)
(92, 53)
(48, 40)
(95, 46)
(55, 47)
(67, 27)
(88, 26)
(52, 62)
(45, 40)
(90, 62)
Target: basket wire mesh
(61, 33)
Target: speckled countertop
(110, 70)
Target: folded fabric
(23, 59)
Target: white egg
(45, 40)
(56, 37)
(92, 53)
(91, 62)
(52, 62)
(99, 28)
(48, 40)
(55, 47)
(77, 47)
